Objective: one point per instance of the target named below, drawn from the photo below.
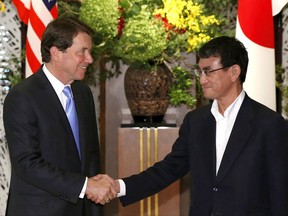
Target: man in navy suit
(50, 177)
(235, 148)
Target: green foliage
(282, 87)
(226, 11)
(216, 5)
(133, 7)
(176, 45)
(105, 24)
(68, 8)
(15, 75)
(142, 38)
(13, 70)
(180, 92)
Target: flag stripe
(36, 14)
(34, 41)
(31, 58)
(40, 8)
(23, 9)
(28, 70)
(54, 12)
(36, 23)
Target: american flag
(36, 14)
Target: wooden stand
(139, 148)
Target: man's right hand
(101, 189)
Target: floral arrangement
(145, 31)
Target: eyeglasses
(198, 72)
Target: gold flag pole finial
(2, 6)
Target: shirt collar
(56, 84)
(231, 111)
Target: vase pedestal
(139, 148)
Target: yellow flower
(2, 6)
(189, 16)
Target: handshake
(102, 188)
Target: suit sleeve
(277, 164)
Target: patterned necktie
(72, 116)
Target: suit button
(215, 189)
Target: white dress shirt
(224, 125)
(58, 86)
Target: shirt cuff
(122, 188)
(82, 194)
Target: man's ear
(236, 70)
(55, 53)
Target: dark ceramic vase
(147, 93)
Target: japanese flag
(255, 29)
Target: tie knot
(67, 91)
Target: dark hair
(60, 33)
(230, 50)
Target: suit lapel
(52, 100)
(208, 148)
(241, 131)
(78, 99)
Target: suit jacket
(253, 176)
(47, 173)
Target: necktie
(72, 115)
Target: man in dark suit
(50, 176)
(235, 149)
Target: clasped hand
(102, 188)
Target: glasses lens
(196, 71)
